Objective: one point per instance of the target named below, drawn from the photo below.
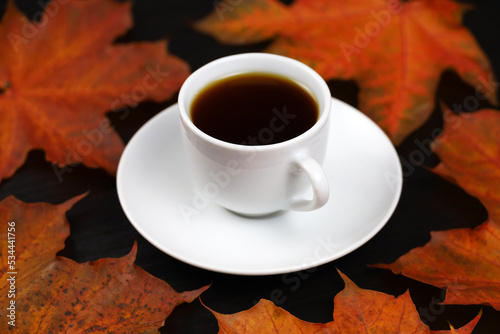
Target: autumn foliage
(58, 295)
(465, 261)
(356, 311)
(394, 50)
(61, 75)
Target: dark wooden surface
(100, 229)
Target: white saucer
(365, 180)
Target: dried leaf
(356, 311)
(60, 76)
(465, 261)
(57, 295)
(469, 150)
(395, 50)
(264, 318)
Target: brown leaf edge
(466, 329)
(349, 286)
(129, 260)
(113, 264)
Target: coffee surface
(254, 109)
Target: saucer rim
(396, 192)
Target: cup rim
(320, 123)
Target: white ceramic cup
(262, 179)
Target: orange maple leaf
(395, 50)
(53, 294)
(469, 149)
(59, 77)
(465, 261)
(356, 311)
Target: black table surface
(99, 227)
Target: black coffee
(254, 109)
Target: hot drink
(254, 109)
(255, 131)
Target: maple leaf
(469, 149)
(356, 311)
(55, 294)
(59, 77)
(395, 50)
(464, 261)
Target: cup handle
(319, 183)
